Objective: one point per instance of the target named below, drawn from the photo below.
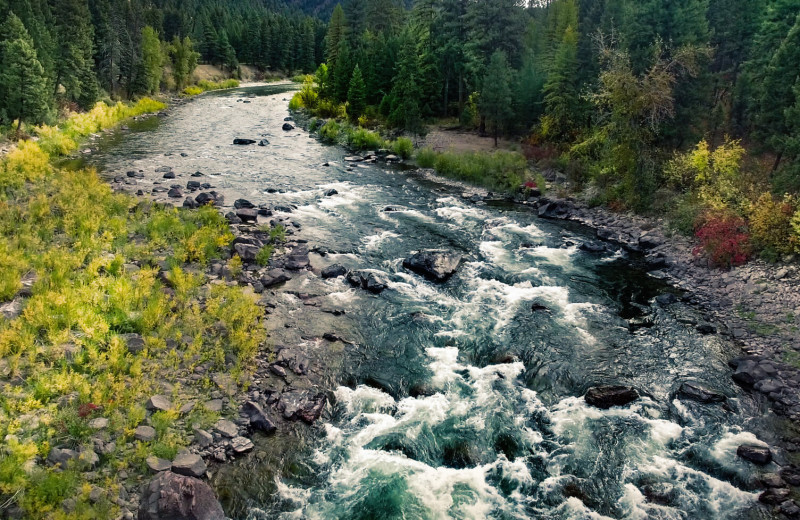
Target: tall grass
(206, 85)
(499, 170)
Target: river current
(465, 399)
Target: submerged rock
(287, 127)
(700, 393)
(435, 264)
(334, 271)
(612, 395)
(170, 496)
(244, 141)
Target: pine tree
(343, 71)
(560, 90)
(495, 101)
(74, 51)
(404, 99)
(356, 95)
(22, 79)
(227, 56)
(152, 60)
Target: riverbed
(461, 399)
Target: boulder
(169, 175)
(244, 142)
(175, 193)
(331, 192)
(287, 127)
(434, 264)
(157, 464)
(226, 428)
(649, 241)
(159, 402)
(205, 198)
(243, 203)
(170, 496)
(61, 457)
(706, 328)
(144, 433)
(368, 281)
(700, 393)
(189, 464)
(333, 271)
(666, 299)
(134, 342)
(193, 185)
(297, 259)
(263, 142)
(755, 454)
(241, 445)
(247, 214)
(774, 496)
(190, 203)
(297, 405)
(232, 218)
(246, 252)
(610, 395)
(558, 209)
(203, 438)
(274, 277)
(748, 373)
(135, 175)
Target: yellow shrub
(771, 224)
(27, 162)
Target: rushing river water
(464, 400)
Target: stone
(203, 438)
(134, 342)
(262, 423)
(774, 496)
(706, 328)
(226, 428)
(287, 127)
(368, 281)
(748, 373)
(333, 271)
(247, 214)
(648, 241)
(169, 175)
(144, 433)
(331, 192)
(243, 203)
(89, 458)
(189, 464)
(755, 454)
(297, 405)
(193, 185)
(772, 480)
(248, 253)
(263, 142)
(175, 193)
(214, 405)
(61, 457)
(278, 370)
(275, 277)
(610, 395)
(244, 142)
(157, 464)
(700, 393)
(241, 444)
(666, 299)
(99, 423)
(434, 264)
(554, 209)
(170, 496)
(190, 203)
(206, 198)
(159, 403)
(791, 475)
(11, 310)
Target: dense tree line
(59, 52)
(614, 83)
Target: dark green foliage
(495, 102)
(356, 95)
(23, 84)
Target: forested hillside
(683, 106)
(59, 52)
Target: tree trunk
(777, 163)
(446, 93)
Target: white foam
(373, 242)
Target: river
(464, 399)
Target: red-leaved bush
(724, 240)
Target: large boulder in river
(287, 127)
(755, 454)
(244, 141)
(611, 395)
(334, 271)
(557, 209)
(434, 264)
(176, 497)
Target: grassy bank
(113, 307)
(205, 86)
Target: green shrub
(296, 103)
(426, 158)
(264, 255)
(330, 132)
(403, 147)
(363, 139)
